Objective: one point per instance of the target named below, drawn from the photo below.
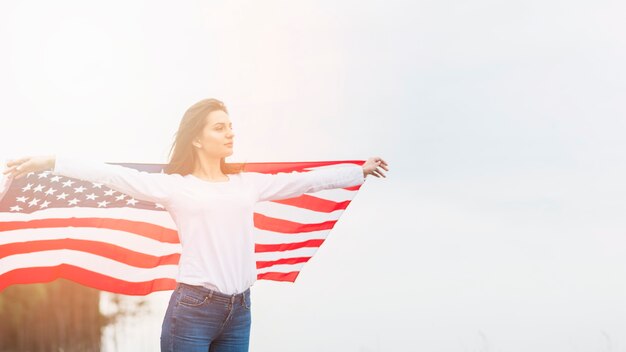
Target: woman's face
(216, 138)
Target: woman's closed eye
(219, 128)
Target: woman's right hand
(19, 167)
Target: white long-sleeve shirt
(214, 219)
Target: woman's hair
(182, 154)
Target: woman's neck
(209, 169)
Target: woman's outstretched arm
(294, 184)
(153, 187)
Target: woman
(211, 203)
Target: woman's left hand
(373, 166)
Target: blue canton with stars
(42, 190)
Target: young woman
(211, 203)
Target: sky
(500, 225)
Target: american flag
(58, 227)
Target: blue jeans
(200, 319)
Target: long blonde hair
(182, 154)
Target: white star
(62, 196)
(16, 208)
(44, 204)
(50, 191)
(109, 192)
(74, 201)
(92, 196)
(102, 204)
(44, 174)
(29, 174)
(22, 199)
(68, 183)
(79, 189)
(55, 179)
(39, 188)
(159, 205)
(132, 201)
(33, 202)
(96, 185)
(27, 188)
(120, 197)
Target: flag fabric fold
(59, 227)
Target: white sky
(500, 226)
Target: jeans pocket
(192, 301)
(245, 301)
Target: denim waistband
(212, 294)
